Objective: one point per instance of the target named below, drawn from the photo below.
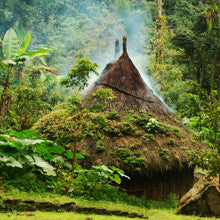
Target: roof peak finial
(124, 44)
(117, 48)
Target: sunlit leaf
(10, 161)
(10, 44)
(47, 168)
(39, 53)
(8, 62)
(25, 44)
(116, 178)
(20, 33)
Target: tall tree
(78, 77)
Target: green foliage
(129, 158)
(100, 97)
(148, 137)
(138, 133)
(96, 184)
(29, 98)
(123, 153)
(79, 73)
(165, 154)
(171, 142)
(131, 117)
(14, 57)
(19, 156)
(206, 128)
(183, 68)
(152, 126)
(14, 52)
(113, 114)
(207, 159)
(177, 131)
(30, 101)
(100, 149)
(117, 128)
(10, 45)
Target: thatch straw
(133, 94)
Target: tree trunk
(158, 9)
(77, 141)
(5, 97)
(74, 157)
(218, 171)
(159, 49)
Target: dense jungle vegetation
(51, 50)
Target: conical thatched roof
(127, 84)
(162, 152)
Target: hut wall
(159, 185)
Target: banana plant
(15, 54)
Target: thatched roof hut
(156, 163)
(131, 91)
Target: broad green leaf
(105, 168)
(10, 161)
(10, 44)
(45, 166)
(14, 163)
(123, 175)
(39, 53)
(20, 33)
(21, 59)
(2, 65)
(5, 159)
(116, 178)
(103, 174)
(27, 141)
(25, 44)
(43, 61)
(8, 62)
(49, 172)
(30, 159)
(58, 159)
(69, 155)
(79, 156)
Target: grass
(38, 197)
(56, 216)
(153, 213)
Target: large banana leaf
(42, 52)
(10, 44)
(25, 44)
(8, 62)
(21, 33)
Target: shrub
(152, 126)
(113, 115)
(97, 183)
(17, 156)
